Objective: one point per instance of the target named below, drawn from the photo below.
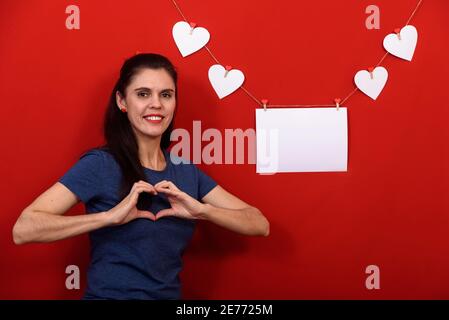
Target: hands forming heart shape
(182, 204)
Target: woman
(142, 205)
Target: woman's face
(150, 102)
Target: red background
(390, 209)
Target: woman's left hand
(182, 204)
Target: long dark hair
(118, 134)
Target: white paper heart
(404, 48)
(222, 85)
(371, 87)
(187, 42)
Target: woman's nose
(156, 102)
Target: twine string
(259, 102)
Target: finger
(162, 182)
(165, 213)
(135, 185)
(144, 188)
(166, 185)
(168, 191)
(133, 188)
(146, 214)
(135, 195)
(172, 185)
(142, 182)
(139, 189)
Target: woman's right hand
(126, 210)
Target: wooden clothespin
(370, 70)
(192, 26)
(337, 103)
(228, 68)
(264, 104)
(398, 33)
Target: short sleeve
(84, 177)
(205, 183)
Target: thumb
(146, 214)
(165, 213)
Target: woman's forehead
(155, 79)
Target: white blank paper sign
(301, 140)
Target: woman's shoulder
(95, 151)
(100, 161)
(100, 154)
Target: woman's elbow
(264, 229)
(18, 232)
(17, 235)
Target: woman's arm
(228, 211)
(43, 220)
(219, 207)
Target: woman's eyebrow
(148, 89)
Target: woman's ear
(121, 103)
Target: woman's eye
(142, 94)
(166, 95)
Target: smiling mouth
(153, 118)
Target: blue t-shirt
(142, 258)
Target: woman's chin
(153, 135)
(150, 133)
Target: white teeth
(154, 118)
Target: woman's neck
(150, 154)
